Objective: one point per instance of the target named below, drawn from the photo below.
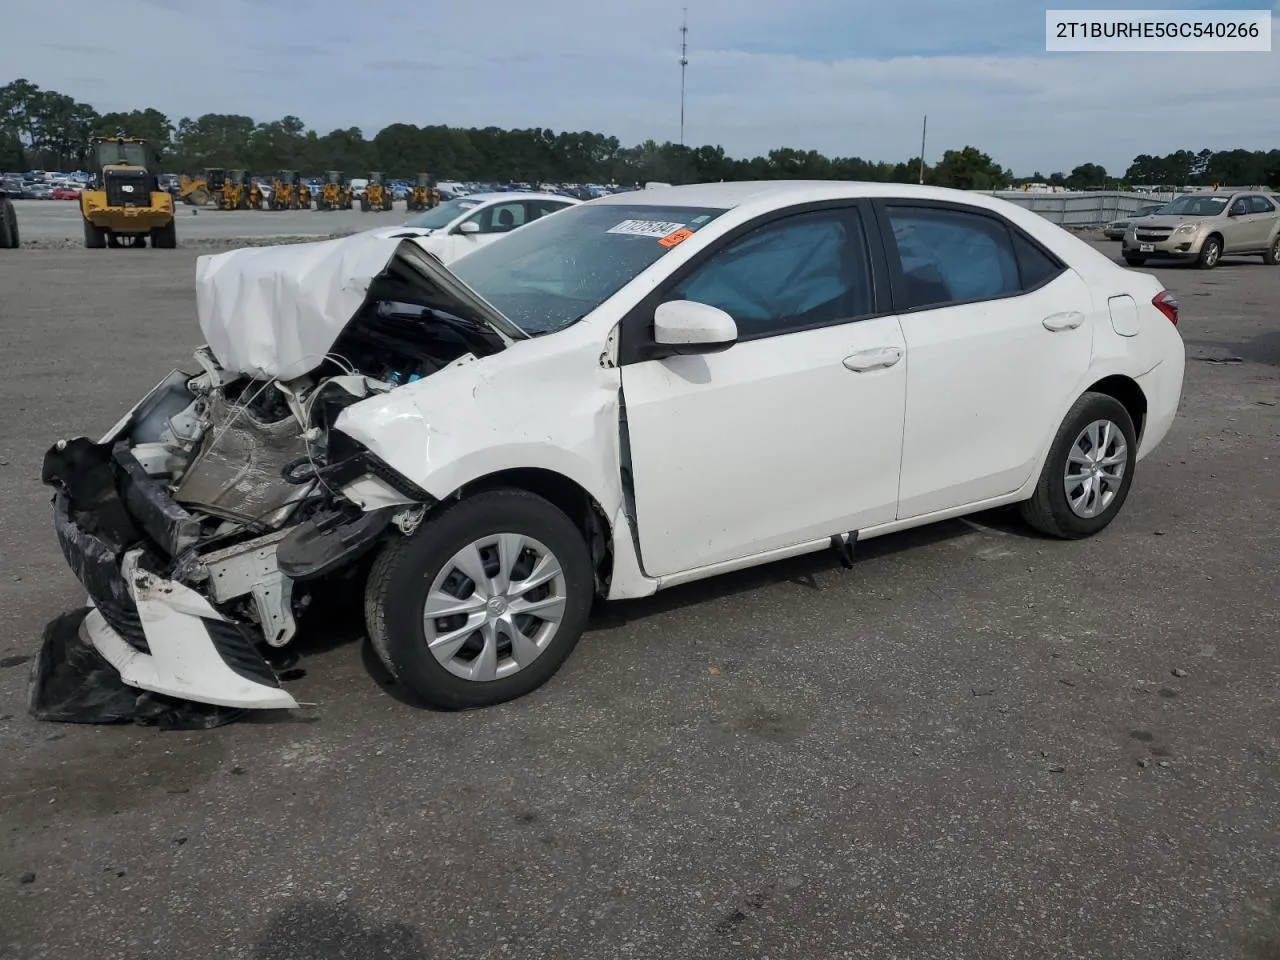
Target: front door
(792, 434)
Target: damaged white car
(637, 392)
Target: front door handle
(1063, 321)
(877, 359)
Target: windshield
(134, 154)
(443, 215)
(1194, 207)
(554, 272)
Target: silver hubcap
(1212, 253)
(1095, 468)
(494, 607)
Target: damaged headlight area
(205, 521)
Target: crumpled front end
(207, 518)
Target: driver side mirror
(469, 227)
(686, 327)
(1236, 211)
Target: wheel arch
(568, 495)
(1127, 391)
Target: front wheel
(1210, 254)
(483, 603)
(1087, 476)
(1272, 256)
(95, 238)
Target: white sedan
(641, 391)
(457, 227)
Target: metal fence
(1080, 210)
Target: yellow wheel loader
(333, 195)
(424, 195)
(126, 200)
(234, 194)
(377, 196)
(194, 190)
(284, 191)
(304, 195)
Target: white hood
(276, 311)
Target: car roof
(729, 194)
(514, 195)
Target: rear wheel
(1134, 261)
(95, 238)
(1087, 475)
(166, 237)
(483, 603)
(1271, 257)
(8, 226)
(1210, 254)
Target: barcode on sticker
(646, 228)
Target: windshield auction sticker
(646, 228)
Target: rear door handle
(1063, 321)
(876, 359)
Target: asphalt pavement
(975, 744)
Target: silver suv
(1203, 227)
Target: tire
(8, 226)
(364, 204)
(1210, 254)
(1271, 257)
(408, 569)
(1050, 509)
(166, 237)
(1134, 261)
(94, 237)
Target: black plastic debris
(73, 683)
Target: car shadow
(803, 570)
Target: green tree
(970, 169)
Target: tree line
(44, 129)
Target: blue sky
(846, 77)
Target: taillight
(1166, 303)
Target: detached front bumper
(159, 634)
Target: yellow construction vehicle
(424, 195)
(234, 191)
(194, 190)
(376, 195)
(333, 195)
(304, 195)
(284, 191)
(126, 200)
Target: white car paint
(702, 462)
(447, 241)
(773, 446)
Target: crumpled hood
(276, 311)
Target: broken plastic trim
(348, 460)
(325, 544)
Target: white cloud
(569, 64)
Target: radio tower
(684, 64)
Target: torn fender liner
(72, 683)
(327, 543)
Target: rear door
(998, 334)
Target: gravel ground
(975, 744)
